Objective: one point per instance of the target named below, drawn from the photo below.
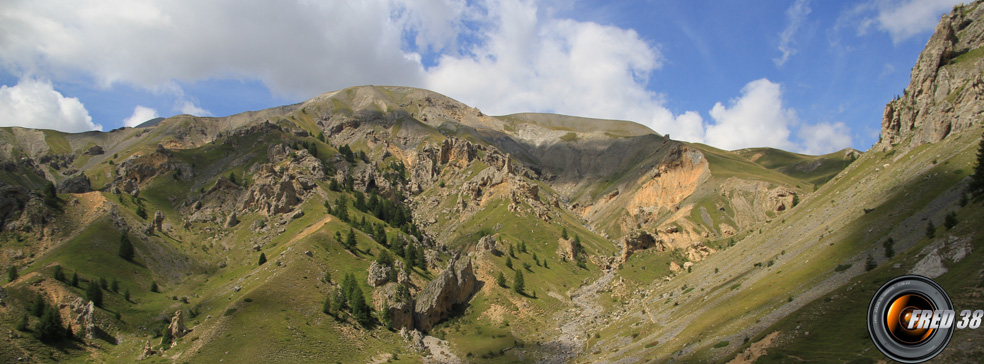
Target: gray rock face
(12, 199)
(487, 244)
(379, 274)
(436, 301)
(395, 298)
(82, 312)
(946, 90)
(76, 184)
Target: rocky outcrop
(177, 327)
(12, 200)
(82, 319)
(454, 286)
(488, 244)
(639, 240)
(395, 298)
(568, 249)
(946, 91)
(159, 220)
(78, 183)
(379, 274)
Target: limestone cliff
(946, 92)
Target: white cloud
(755, 119)
(140, 115)
(188, 107)
(34, 103)
(903, 19)
(795, 16)
(297, 48)
(503, 56)
(824, 138)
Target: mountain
(383, 223)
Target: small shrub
(842, 267)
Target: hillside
(384, 223)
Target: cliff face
(946, 92)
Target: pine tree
(50, 196)
(563, 234)
(950, 221)
(870, 263)
(337, 303)
(126, 295)
(115, 286)
(94, 294)
(37, 307)
(49, 327)
(500, 279)
(976, 186)
(796, 200)
(59, 274)
(126, 248)
(263, 259)
(232, 178)
(103, 283)
(519, 285)
(12, 273)
(545, 264)
(350, 242)
(154, 288)
(511, 252)
(341, 208)
(509, 263)
(23, 323)
(75, 279)
(380, 235)
(326, 307)
(930, 230)
(889, 245)
(421, 257)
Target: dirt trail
(440, 351)
(311, 229)
(573, 335)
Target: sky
(806, 76)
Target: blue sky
(806, 76)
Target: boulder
(488, 244)
(454, 286)
(78, 183)
(94, 150)
(567, 249)
(232, 220)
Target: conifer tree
(519, 285)
(12, 273)
(263, 259)
(976, 186)
(49, 327)
(500, 280)
(94, 294)
(509, 263)
(126, 248)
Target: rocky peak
(946, 90)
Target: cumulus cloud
(297, 48)
(795, 16)
(756, 118)
(188, 107)
(140, 115)
(33, 103)
(503, 56)
(902, 19)
(824, 138)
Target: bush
(154, 288)
(930, 230)
(12, 273)
(889, 245)
(870, 263)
